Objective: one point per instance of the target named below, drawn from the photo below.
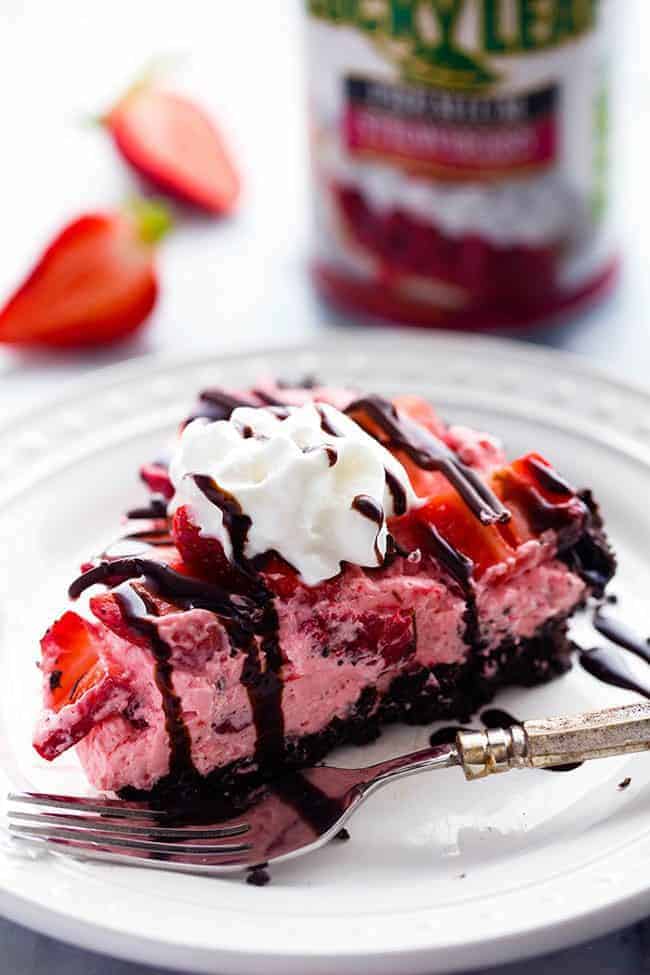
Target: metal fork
(302, 811)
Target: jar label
(461, 146)
(451, 135)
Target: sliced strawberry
(205, 557)
(95, 283)
(156, 477)
(80, 689)
(173, 144)
(201, 554)
(539, 501)
(69, 656)
(280, 577)
(108, 609)
(536, 497)
(449, 515)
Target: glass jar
(460, 157)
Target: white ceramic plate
(439, 875)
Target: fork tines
(126, 832)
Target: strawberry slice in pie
(313, 563)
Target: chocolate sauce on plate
(446, 735)
(314, 807)
(609, 665)
(622, 635)
(258, 876)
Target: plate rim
(502, 946)
(104, 376)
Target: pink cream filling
(328, 661)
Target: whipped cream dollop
(313, 483)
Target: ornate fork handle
(555, 741)
(533, 744)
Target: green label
(422, 36)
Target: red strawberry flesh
(96, 283)
(172, 143)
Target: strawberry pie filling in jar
(460, 157)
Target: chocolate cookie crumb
(611, 598)
(342, 834)
(259, 876)
(624, 784)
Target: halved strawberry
(174, 144)
(95, 283)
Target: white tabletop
(241, 282)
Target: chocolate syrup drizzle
(217, 404)
(152, 537)
(138, 609)
(545, 515)
(397, 493)
(267, 399)
(326, 424)
(429, 453)
(461, 569)
(263, 683)
(156, 509)
(185, 591)
(374, 512)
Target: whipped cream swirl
(313, 483)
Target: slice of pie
(312, 564)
